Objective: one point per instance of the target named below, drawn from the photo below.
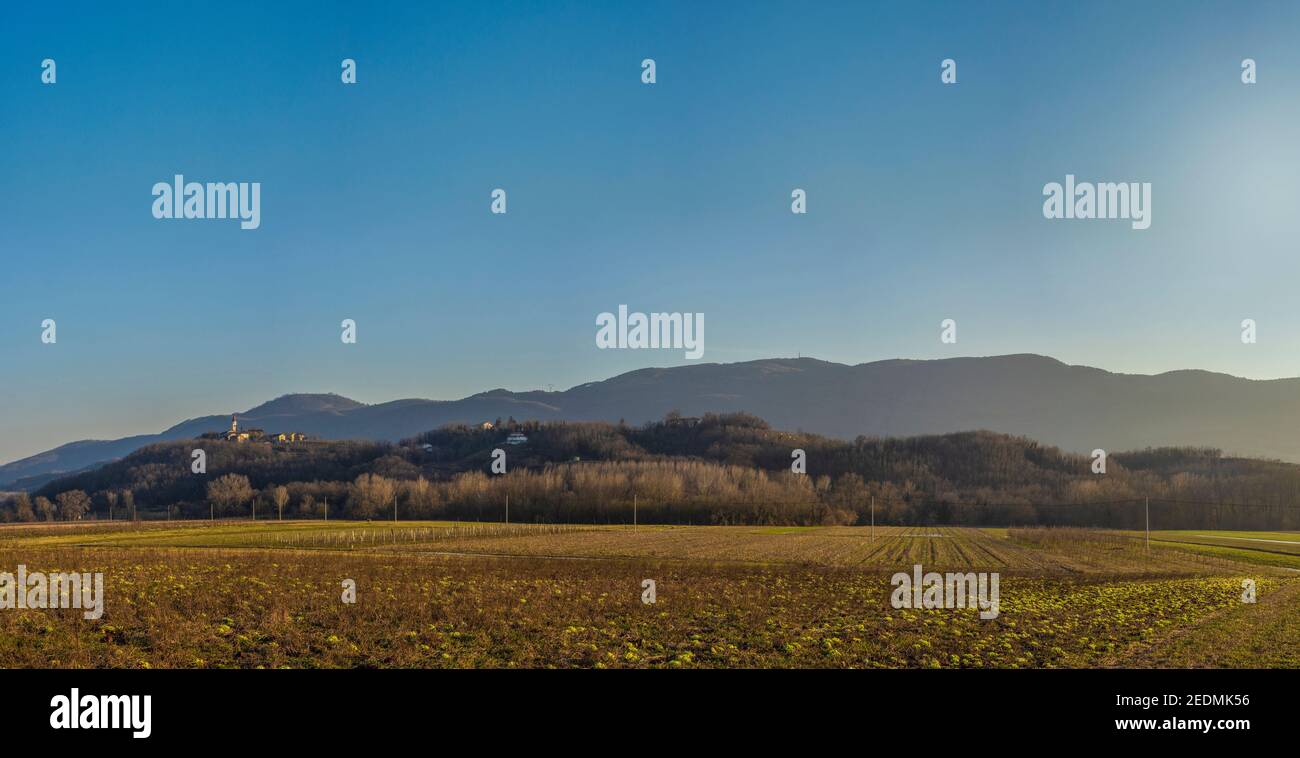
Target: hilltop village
(235, 434)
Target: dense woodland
(721, 469)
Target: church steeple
(234, 423)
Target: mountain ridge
(1077, 408)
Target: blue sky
(924, 200)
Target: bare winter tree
(372, 493)
(23, 508)
(280, 496)
(230, 492)
(73, 504)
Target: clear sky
(924, 200)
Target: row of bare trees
(72, 505)
(675, 491)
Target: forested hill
(721, 468)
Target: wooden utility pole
(327, 508)
(1148, 518)
(507, 508)
(634, 513)
(873, 517)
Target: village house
(234, 435)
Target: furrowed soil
(442, 594)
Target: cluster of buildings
(514, 438)
(235, 434)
